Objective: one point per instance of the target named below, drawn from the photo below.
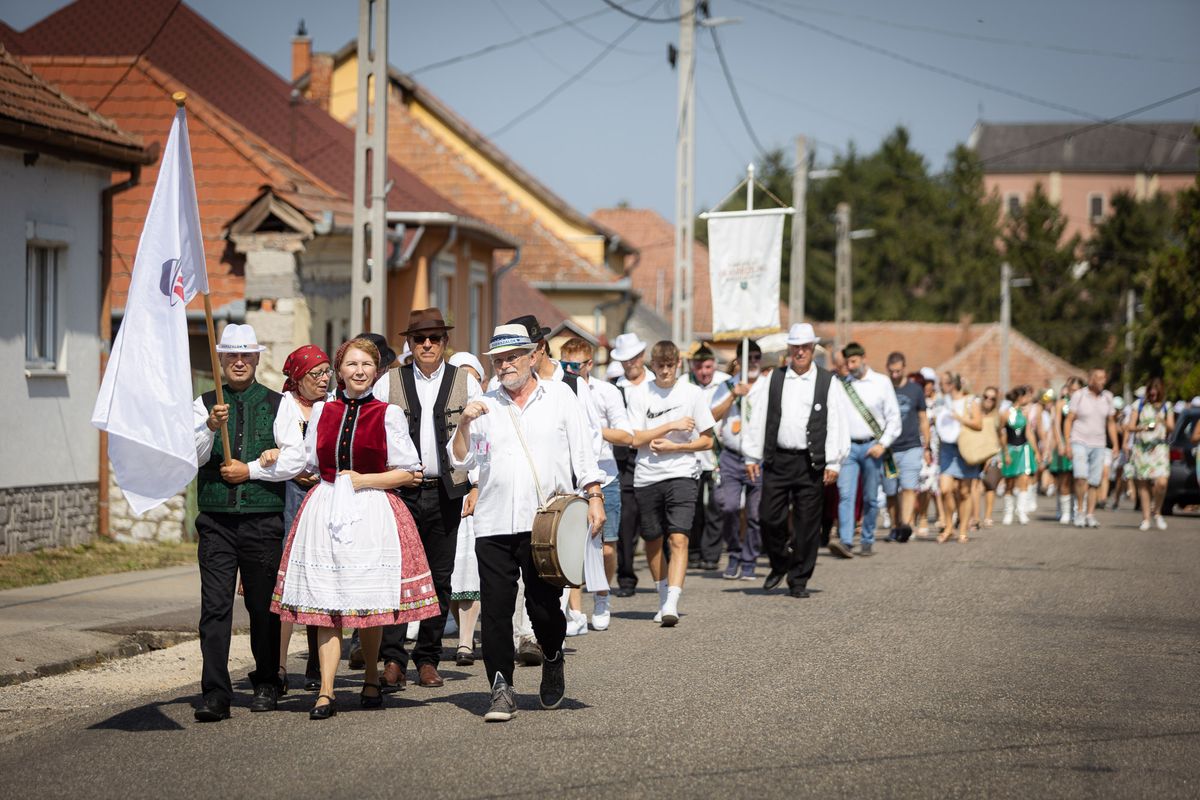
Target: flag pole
(180, 99)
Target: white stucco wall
(48, 437)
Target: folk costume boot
(1008, 508)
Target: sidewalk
(57, 627)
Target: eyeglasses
(317, 374)
(422, 338)
(990, 397)
(507, 358)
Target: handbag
(992, 475)
(976, 447)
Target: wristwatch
(594, 495)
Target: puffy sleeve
(402, 454)
(204, 437)
(311, 465)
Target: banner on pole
(744, 256)
(145, 400)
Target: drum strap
(537, 484)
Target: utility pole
(796, 270)
(1130, 317)
(368, 266)
(842, 276)
(1005, 324)
(682, 312)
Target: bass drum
(559, 540)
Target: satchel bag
(976, 447)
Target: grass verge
(101, 557)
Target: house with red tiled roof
(57, 156)
(576, 262)
(274, 174)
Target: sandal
(944, 536)
(962, 538)
(369, 701)
(323, 712)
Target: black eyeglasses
(422, 338)
(989, 397)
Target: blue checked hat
(509, 337)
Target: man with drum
(527, 438)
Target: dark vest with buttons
(816, 418)
(251, 431)
(447, 411)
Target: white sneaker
(576, 623)
(1091, 521)
(1008, 510)
(1159, 522)
(1145, 526)
(670, 611)
(1081, 521)
(1065, 519)
(1022, 516)
(601, 616)
(658, 616)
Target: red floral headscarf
(299, 362)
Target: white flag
(145, 400)
(744, 254)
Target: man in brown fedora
(433, 394)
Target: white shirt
(402, 454)
(948, 428)
(288, 438)
(653, 406)
(556, 432)
(427, 392)
(610, 407)
(732, 426)
(879, 396)
(383, 386)
(714, 393)
(796, 407)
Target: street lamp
(1007, 284)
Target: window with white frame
(41, 306)
(442, 296)
(478, 293)
(1096, 207)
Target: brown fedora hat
(425, 320)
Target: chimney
(301, 52)
(320, 80)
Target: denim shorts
(908, 465)
(1088, 462)
(951, 463)
(612, 511)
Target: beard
(858, 373)
(514, 381)
(753, 373)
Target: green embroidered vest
(251, 431)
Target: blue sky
(610, 135)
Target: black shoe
(709, 566)
(773, 580)
(212, 710)
(283, 682)
(312, 682)
(371, 701)
(903, 533)
(266, 698)
(693, 563)
(504, 703)
(553, 682)
(894, 536)
(323, 712)
(624, 591)
(798, 592)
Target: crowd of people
(389, 493)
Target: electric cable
(641, 17)
(546, 4)
(138, 57)
(737, 100)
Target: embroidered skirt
(374, 574)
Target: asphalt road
(1030, 662)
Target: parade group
(387, 493)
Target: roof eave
(70, 146)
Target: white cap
(465, 359)
(239, 339)
(614, 370)
(801, 333)
(627, 346)
(928, 373)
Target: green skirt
(1021, 461)
(1059, 464)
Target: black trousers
(705, 542)
(437, 516)
(501, 559)
(793, 490)
(253, 545)
(627, 544)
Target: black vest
(444, 424)
(816, 418)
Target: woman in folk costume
(353, 558)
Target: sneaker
(731, 570)
(1091, 521)
(576, 623)
(1022, 515)
(1159, 522)
(504, 703)
(669, 615)
(1145, 526)
(553, 681)
(529, 652)
(658, 617)
(1065, 519)
(1081, 521)
(864, 550)
(748, 570)
(601, 613)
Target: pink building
(1081, 168)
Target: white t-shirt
(653, 406)
(714, 393)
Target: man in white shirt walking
(493, 434)
(630, 352)
(873, 418)
(704, 545)
(672, 421)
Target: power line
(546, 4)
(947, 73)
(557, 90)
(639, 17)
(1085, 128)
(737, 100)
(491, 48)
(138, 57)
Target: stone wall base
(57, 515)
(160, 524)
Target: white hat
(627, 346)
(509, 337)
(1180, 406)
(928, 373)
(1139, 392)
(239, 339)
(465, 359)
(1196, 401)
(801, 333)
(614, 370)
(1118, 402)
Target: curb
(133, 645)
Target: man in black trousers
(630, 351)
(797, 438)
(433, 395)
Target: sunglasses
(422, 338)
